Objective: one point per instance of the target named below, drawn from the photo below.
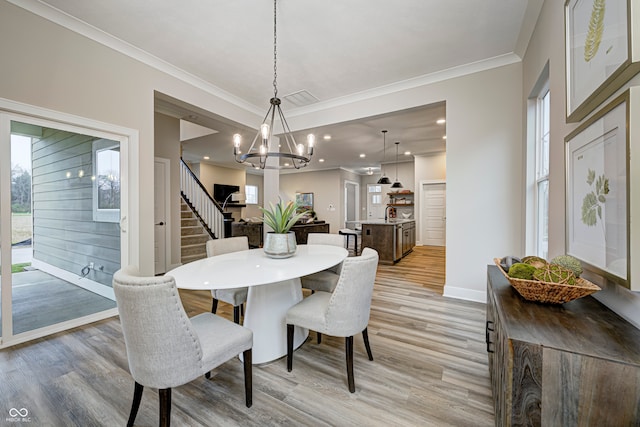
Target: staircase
(192, 235)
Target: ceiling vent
(301, 98)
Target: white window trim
(533, 152)
(103, 215)
(246, 192)
(130, 221)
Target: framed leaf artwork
(598, 191)
(600, 54)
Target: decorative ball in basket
(554, 282)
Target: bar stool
(351, 233)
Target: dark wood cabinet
(380, 237)
(408, 237)
(575, 364)
(302, 231)
(392, 240)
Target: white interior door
(434, 215)
(375, 199)
(351, 201)
(161, 214)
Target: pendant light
(384, 179)
(397, 184)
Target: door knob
(160, 223)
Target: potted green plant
(281, 241)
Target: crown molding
(412, 83)
(74, 24)
(69, 22)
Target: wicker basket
(547, 292)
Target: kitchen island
(393, 238)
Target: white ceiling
(333, 50)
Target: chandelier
(293, 155)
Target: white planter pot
(280, 245)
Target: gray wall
(64, 233)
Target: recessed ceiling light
(362, 155)
(286, 164)
(444, 137)
(407, 153)
(321, 160)
(206, 157)
(326, 137)
(441, 121)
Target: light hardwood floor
(429, 369)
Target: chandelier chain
(275, 52)
(259, 151)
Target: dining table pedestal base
(265, 315)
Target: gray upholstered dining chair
(236, 296)
(342, 313)
(165, 348)
(324, 280)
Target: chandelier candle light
(294, 155)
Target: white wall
(214, 174)
(546, 46)
(484, 128)
(48, 66)
(430, 167)
(167, 145)
(483, 165)
(253, 210)
(326, 187)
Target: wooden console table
(575, 364)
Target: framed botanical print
(600, 54)
(597, 192)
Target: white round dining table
(274, 287)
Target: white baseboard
(74, 279)
(465, 294)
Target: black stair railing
(207, 210)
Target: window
(251, 194)
(542, 173)
(106, 179)
(375, 194)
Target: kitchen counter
(392, 221)
(393, 239)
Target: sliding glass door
(60, 238)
